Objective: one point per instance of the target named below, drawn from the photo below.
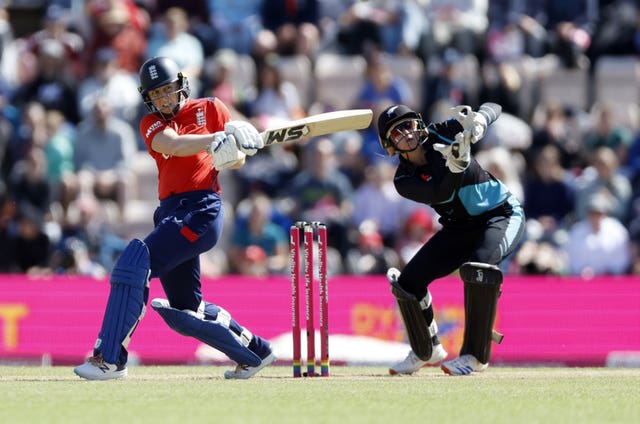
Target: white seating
(617, 82)
(339, 79)
(616, 79)
(299, 71)
(568, 86)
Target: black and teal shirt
(464, 199)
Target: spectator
(506, 166)
(631, 167)
(353, 160)
(236, 24)
(549, 190)
(73, 258)
(52, 86)
(30, 248)
(268, 172)
(615, 30)
(56, 26)
(377, 201)
(294, 24)
(500, 82)
(89, 243)
(375, 25)
(416, 229)
(446, 83)
(460, 24)
(598, 244)
(276, 99)
(6, 39)
(369, 255)
(549, 195)
(171, 38)
(539, 255)
(606, 132)
(31, 131)
(603, 176)
(554, 124)
(104, 149)
(198, 12)
(634, 234)
(7, 229)
(118, 28)
(381, 88)
(8, 123)
(320, 192)
(218, 77)
(569, 25)
(111, 82)
(259, 245)
(29, 183)
(59, 150)
(381, 85)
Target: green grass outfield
(199, 394)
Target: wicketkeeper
(481, 221)
(190, 141)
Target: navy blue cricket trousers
(186, 225)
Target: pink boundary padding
(550, 320)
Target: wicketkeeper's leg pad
(481, 292)
(126, 304)
(419, 331)
(216, 333)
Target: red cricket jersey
(187, 173)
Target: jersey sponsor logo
(152, 128)
(287, 134)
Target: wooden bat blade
(317, 125)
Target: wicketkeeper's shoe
(242, 372)
(95, 368)
(464, 365)
(412, 363)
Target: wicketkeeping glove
(224, 150)
(456, 154)
(474, 124)
(247, 137)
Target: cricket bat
(317, 125)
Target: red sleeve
(150, 125)
(218, 115)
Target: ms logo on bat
(286, 134)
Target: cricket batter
(190, 140)
(481, 221)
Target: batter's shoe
(242, 372)
(412, 363)
(464, 365)
(95, 368)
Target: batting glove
(247, 137)
(224, 151)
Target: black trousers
(449, 248)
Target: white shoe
(412, 363)
(464, 365)
(96, 369)
(243, 372)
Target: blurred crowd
(71, 177)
